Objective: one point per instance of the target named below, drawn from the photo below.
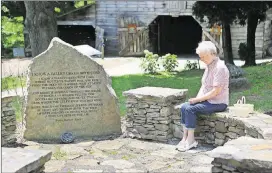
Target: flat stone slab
(23, 160)
(135, 144)
(87, 170)
(251, 153)
(156, 92)
(130, 171)
(72, 149)
(54, 165)
(170, 153)
(118, 164)
(109, 145)
(155, 165)
(122, 155)
(262, 123)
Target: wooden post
(203, 35)
(102, 49)
(159, 41)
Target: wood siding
(108, 12)
(82, 16)
(239, 35)
(268, 31)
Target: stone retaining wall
(8, 122)
(149, 112)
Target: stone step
(244, 154)
(19, 160)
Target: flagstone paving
(124, 155)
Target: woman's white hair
(206, 47)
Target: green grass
(182, 80)
(59, 155)
(17, 106)
(260, 93)
(12, 82)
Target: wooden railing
(133, 44)
(217, 42)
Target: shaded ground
(120, 155)
(123, 155)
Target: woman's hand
(193, 100)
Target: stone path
(124, 155)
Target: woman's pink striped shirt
(216, 74)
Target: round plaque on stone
(67, 137)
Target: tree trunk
(41, 24)
(252, 22)
(227, 46)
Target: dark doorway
(77, 34)
(176, 35)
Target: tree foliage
(12, 32)
(14, 15)
(222, 13)
(228, 12)
(215, 11)
(12, 19)
(252, 13)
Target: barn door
(133, 36)
(99, 40)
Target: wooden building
(127, 27)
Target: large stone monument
(69, 92)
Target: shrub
(150, 63)
(169, 62)
(191, 66)
(243, 51)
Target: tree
(41, 24)
(252, 13)
(39, 18)
(219, 12)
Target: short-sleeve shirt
(216, 74)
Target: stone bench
(243, 155)
(154, 113)
(218, 128)
(20, 160)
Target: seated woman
(213, 95)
